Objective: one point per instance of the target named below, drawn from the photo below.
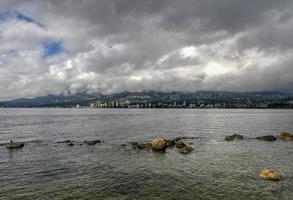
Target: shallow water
(216, 169)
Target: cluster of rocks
(161, 144)
(283, 135)
(266, 174)
(88, 142)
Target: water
(216, 169)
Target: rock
(70, 144)
(92, 142)
(14, 145)
(267, 138)
(186, 150)
(159, 144)
(141, 146)
(170, 143)
(65, 141)
(135, 145)
(188, 138)
(286, 136)
(179, 144)
(233, 137)
(270, 175)
(147, 146)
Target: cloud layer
(71, 46)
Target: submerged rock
(286, 136)
(159, 144)
(179, 144)
(188, 138)
(186, 150)
(14, 145)
(141, 146)
(176, 139)
(65, 141)
(92, 142)
(147, 146)
(270, 175)
(135, 145)
(233, 137)
(170, 143)
(266, 138)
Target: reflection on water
(216, 169)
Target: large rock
(233, 137)
(270, 175)
(15, 145)
(266, 138)
(186, 150)
(286, 136)
(159, 144)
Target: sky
(109, 46)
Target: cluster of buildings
(179, 104)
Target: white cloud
(112, 46)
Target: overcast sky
(70, 46)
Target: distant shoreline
(157, 108)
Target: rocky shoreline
(283, 136)
(161, 144)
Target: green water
(216, 169)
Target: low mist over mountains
(158, 99)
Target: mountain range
(153, 97)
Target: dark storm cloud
(111, 46)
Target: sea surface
(216, 169)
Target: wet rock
(179, 144)
(65, 141)
(14, 145)
(233, 137)
(170, 143)
(270, 175)
(267, 138)
(286, 136)
(186, 150)
(135, 145)
(159, 144)
(92, 142)
(188, 138)
(141, 146)
(176, 139)
(147, 146)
